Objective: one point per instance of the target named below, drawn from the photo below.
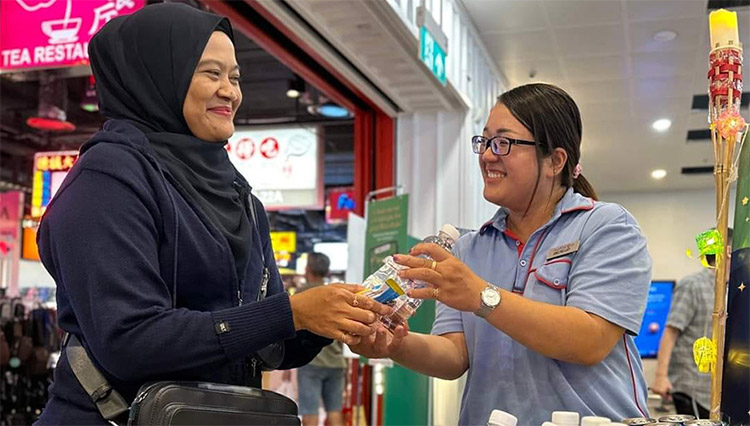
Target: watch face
(490, 297)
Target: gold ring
(433, 266)
(436, 292)
(355, 303)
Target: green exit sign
(432, 54)
(433, 44)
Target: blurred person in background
(690, 318)
(324, 377)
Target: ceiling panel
(663, 64)
(659, 10)
(668, 107)
(596, 68)
(655, 89)
(598, 91)
(689, 34)
(591, 40)
(506, 15)
(538, 70)
(569, 13)
(522, 46)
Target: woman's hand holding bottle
(448, 279)
(336, 311)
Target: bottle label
(384, 291)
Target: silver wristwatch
(489, 298)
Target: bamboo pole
(720, 291)
(724, 153)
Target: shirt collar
(570, 202)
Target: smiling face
(214, 93)
(509, 180)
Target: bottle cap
(501, 418)
(451, 231)
(565, 418)
(595, 421)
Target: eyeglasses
(500, 144)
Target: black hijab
(143, 64)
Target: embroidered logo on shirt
(563, 250)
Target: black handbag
(200, 403)
(176, 403)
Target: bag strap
(108, 401)
(266, 273)
(254, 214)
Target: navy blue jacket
(118, 239)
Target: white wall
(670, 221)
(437, 168)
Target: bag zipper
(135, 407)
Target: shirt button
(518, 243)
(523, 263)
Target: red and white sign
(283, 165)
(53, 33)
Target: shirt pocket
(550, 282)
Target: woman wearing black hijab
(159, 261)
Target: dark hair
(318, 264)
(552, 116)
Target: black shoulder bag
(176, 403)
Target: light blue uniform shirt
(609, 276)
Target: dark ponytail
(552, 116)
(582, 186)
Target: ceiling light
(292, 93)
(662, 125)
(665, 35)
(296, 87)
(658, 174)
(329, 110)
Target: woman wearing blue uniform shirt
(539, 306)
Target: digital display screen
(655, 318)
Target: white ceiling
(604, 54)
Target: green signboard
(432, 54)
(386, 231)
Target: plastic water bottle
(565, 418)
(385, 286)
(501, 418)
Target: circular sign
(244, 149)
(269, 148)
